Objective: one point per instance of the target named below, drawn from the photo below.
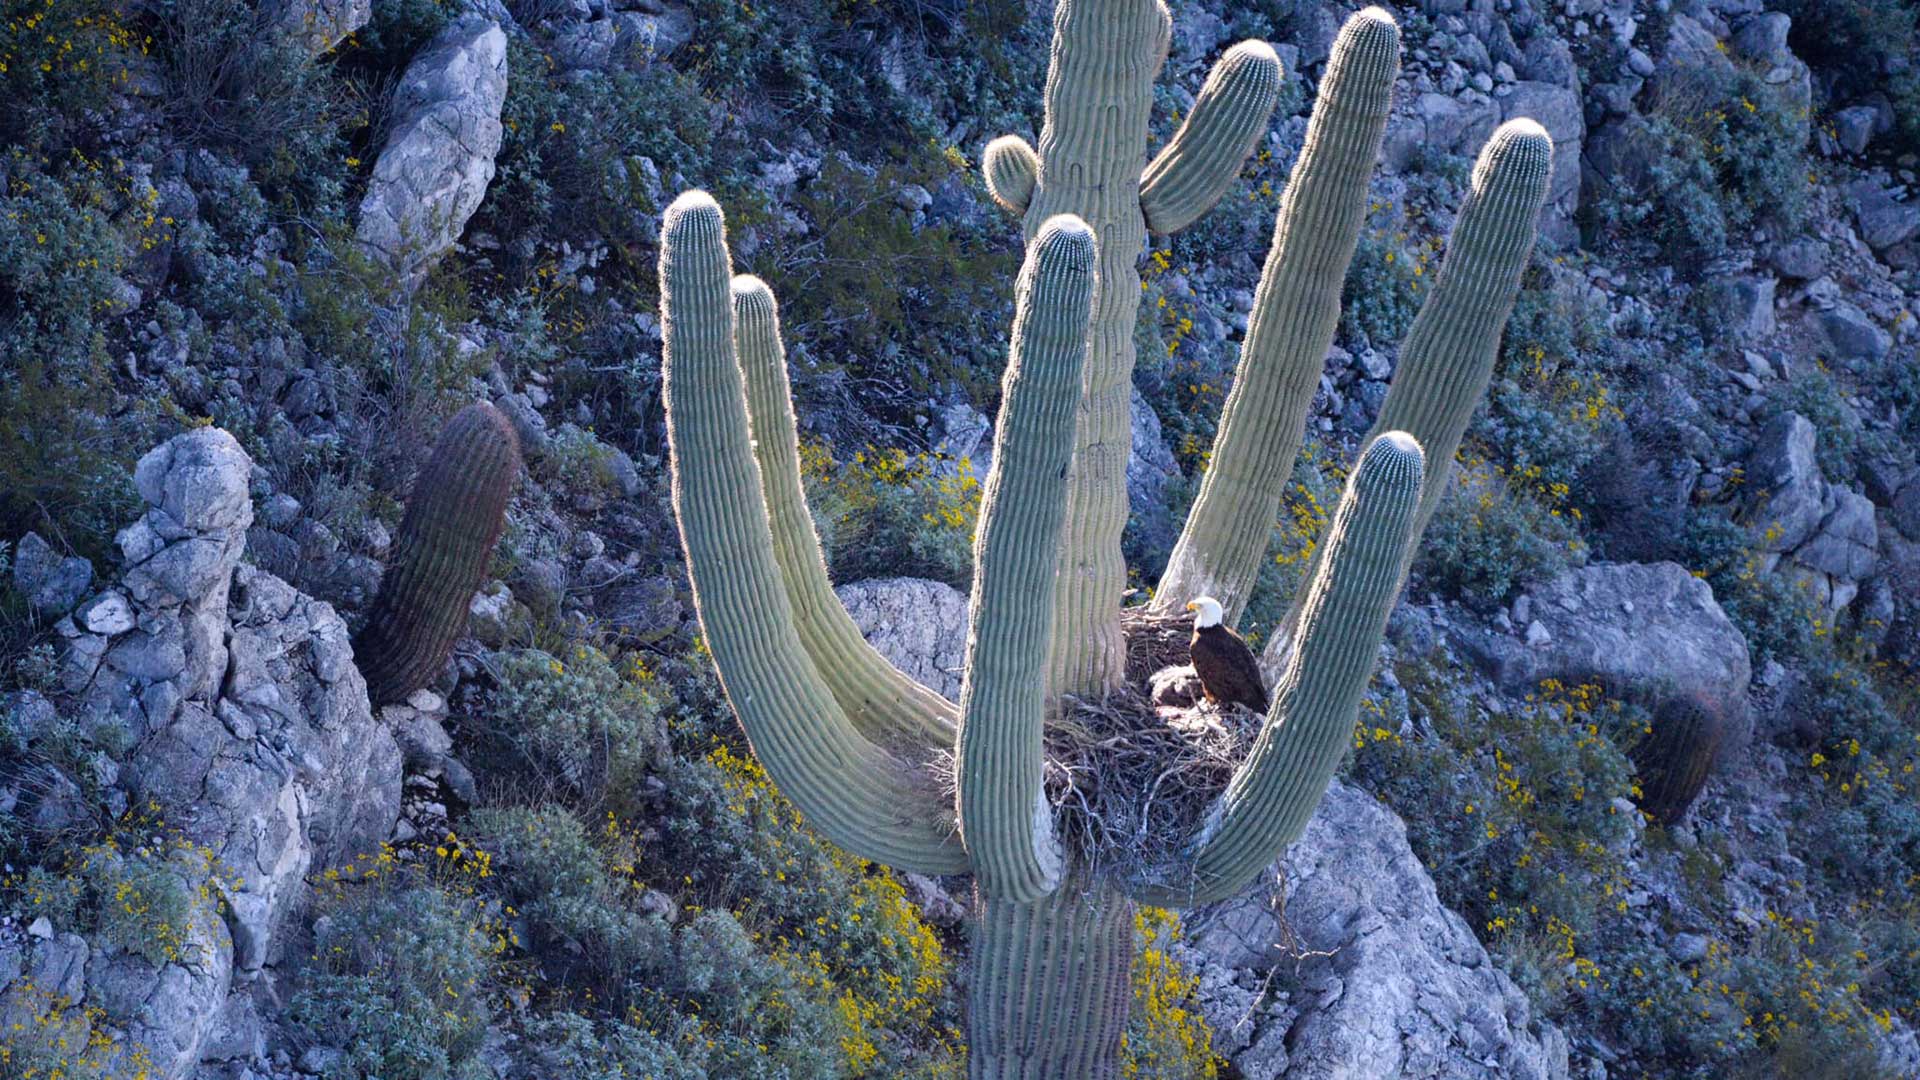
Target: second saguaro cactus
(453, 519)
(898, 775)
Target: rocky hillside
(1632, 793)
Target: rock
(920, 626)
(1150, 469)
(1558, 109)
(657, 29)
(318, 25)
(1763, 38)
(1642, 631)
(1804, 259)
(1851, 334)
(249, 722)
(108, 614)
(438, 161)
(1693, 53)
(1623, 153)
(50, 583)
(1785, 474)
(1905, 512)
(1394, 984)
(647, 609)
(1688, 948)
(1845, 546)
(1884, 222)
(1742, 305)
(1853, 128)
(27, 715)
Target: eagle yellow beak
(1190, 605)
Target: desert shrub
(1166, 1039)
(59, 61)
(884, 513)
(1385, 286)
(571, 1045)
(1777, 619)
(1551, 399)
(1492, 533)
(51, 1036)
(61, 446)
(403, 969)
(237, 83)
(582, 725)
(142, 888)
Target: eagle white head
(1206, 612)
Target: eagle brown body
(1225, 664)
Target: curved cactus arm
(1449, 353)
(1004, 816)
(454, 517)
(1093, 144)
(1012, 170)
(1271, 797)
(1228, 119)
(1296, 310)
(856, 794)
(886, 706)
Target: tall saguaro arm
(1004, 815)
(1296, 309)
(869, 801)
(888, 707)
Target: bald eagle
(1227, 669)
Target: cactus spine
(453, 519)
(1106, 54)
(850, 740)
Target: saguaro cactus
(859, 748)
(454, 517)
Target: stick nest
(1131, 783)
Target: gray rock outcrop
(1390, 981)
(920, 626)
(250, 733)
(1649, 632)
(1821, 535)
(438, 161)
(318, 25)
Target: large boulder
(1648, 632)
(1884, 221)
(250, 732)
(50, 582)
(920, 626)
(438, 161)
(1393, 982)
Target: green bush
(144, 890)
(1386, 284)
(1777, 619)
(886, 514)
(1493, 533)
(584, 727)
(403, 970)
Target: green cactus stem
(1004, 816)
(1050, 985)
(858, 795)
(1348, 599)
(1012, 170)
(1204, 157)
(1448, 356)
(1296, 309)
(885, 706)
(453, 519)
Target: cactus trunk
(454, 517)
(1050, 987)
(1092, 151)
